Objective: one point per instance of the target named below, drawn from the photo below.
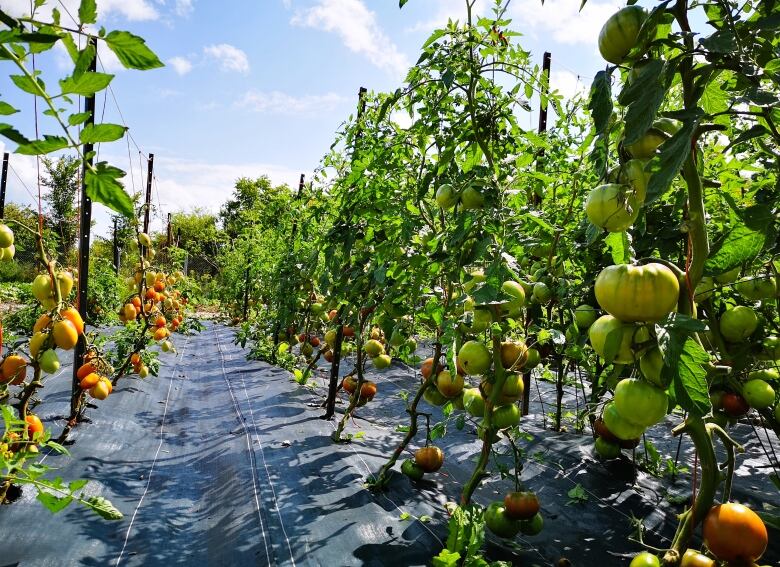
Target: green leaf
(6, 109)
(28, 85)
(70, 46)
(404, 516)
(103, 186)
(132, 51)
(743, 242)
(88, 11)
(689, 384)
(86, 84)
(45, 146)
(666, 165)
(104, 508)
(95, 133)
(619, 244)
(600, 104)
(78, 118)
(755, 131)
(54, 503)
(644, 96)
(401, 3)
(722, 41)
(447, 558)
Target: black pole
(543, 106)
(170, 232)
(148, 206)
(85, 225)
(117, 255)
(3, 182)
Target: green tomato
(446, 196)
(620, 33)
(49, 362)
(626, 333)
(757, 287)
(475, 277)
(471, 198)
(607, 449)
(631, 173)
(434, 397)
(637, 293)
(730, 276)
(645, 559)
(772, 347)
(640, 402)
(410, 345)
(410, 469)
(474, 402)
(382, 361)
(533, 360)
(6, 236)
(619, 426)
(506, 416)
(766, 374)
(517, 294)
(481, 320)
(651, 364)
(738, 323)
(612, 207)
(8, 253)
(499, 523)
(542, 293)
(533, 526)
(474, 357)
(758, 394)
(585, 316)
(646, 146)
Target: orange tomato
(349, 332)
(86, 368)
(74, 317)
(734, 533)
(429, 459)
(101, 390)
(89, 381)
(34, 425)
(151, 294)
(65, 334)
(427, 368)
(160, 321)
(136, 301)
(130, 312)
(14, 369)
(135, 359)
(42, 322)
(160, 334)
(159, 285)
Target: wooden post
(148, 206)
(85, 225)
(117, 254)
(3, 182)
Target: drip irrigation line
(156, 454)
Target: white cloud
(450, 10)
(183, 7)
(358, 29)
(276, 102)
(181, 65)
(567, 84)
(562, 20)
(230, 58)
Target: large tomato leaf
(619, 244)
(132, 51)
(88, 11)
(600, 104)
(103, 186)
(689, 387)
(644, 96)
(743, 242)
(673, 152)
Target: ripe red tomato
(734, 404)
(521, 505)
(429, 459)
(733, 532)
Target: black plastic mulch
(224, 461)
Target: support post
(3, 183)
(148, 205)
(85, 225)
(169, 238)
(117, 254)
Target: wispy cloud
(181, 65)
(563, 21)
(276, 102)
(230, 58)
(183, 7)
(358, 29)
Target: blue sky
(255, 87)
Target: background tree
(254, 201)
(62, 180)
